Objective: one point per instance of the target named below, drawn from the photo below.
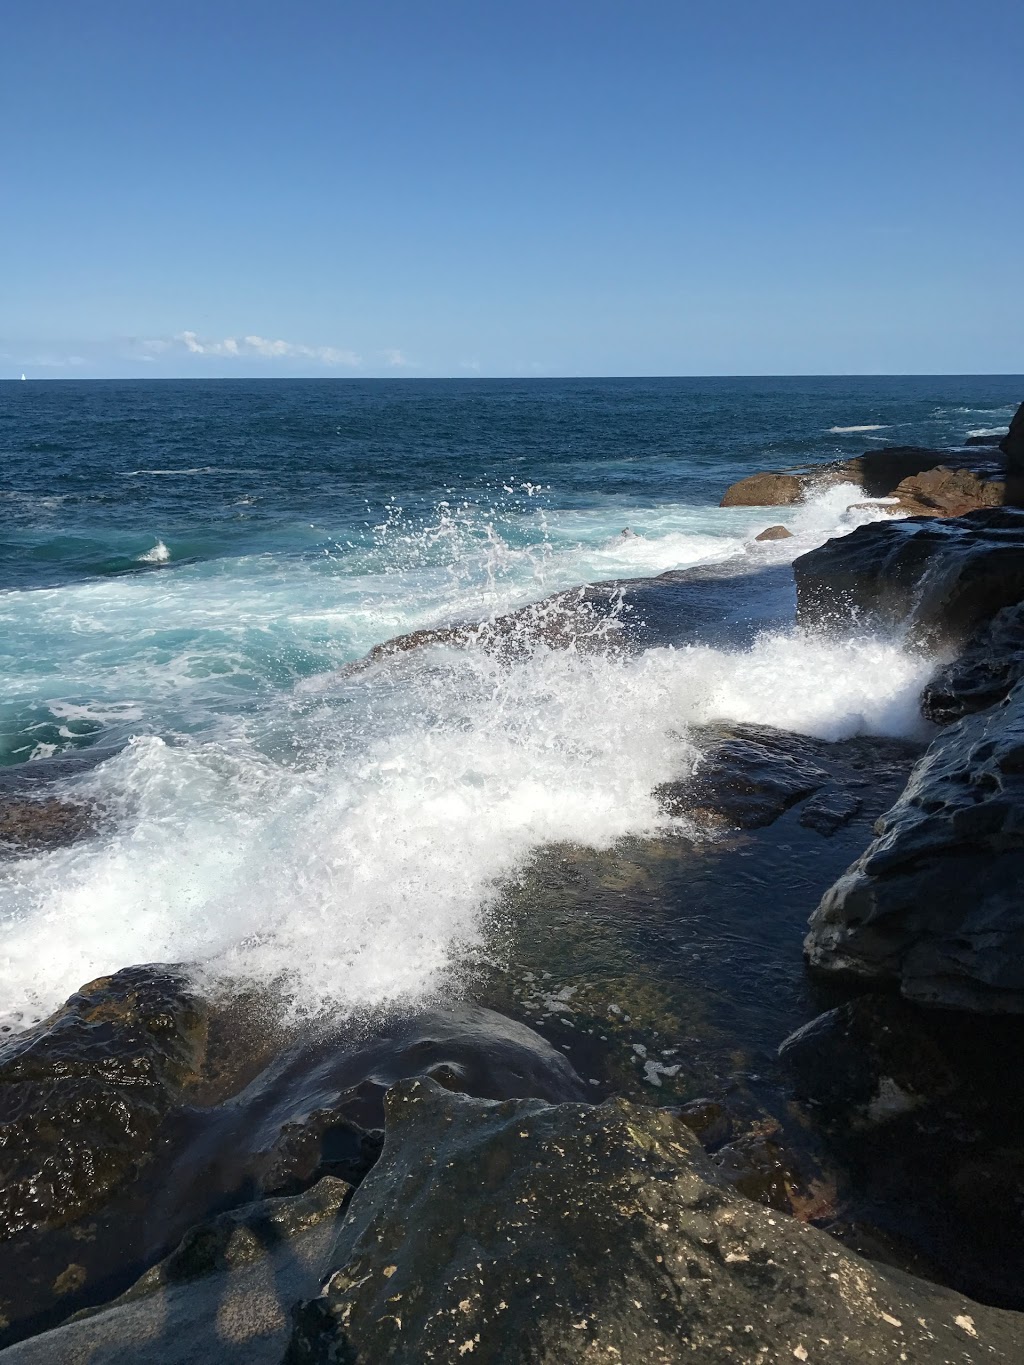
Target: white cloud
(252, 345)
(397, 360)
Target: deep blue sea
(186, 567)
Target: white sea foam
(159, 554)
(347, 841)
(846, 431)
(988, 431)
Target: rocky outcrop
(224, 1295)
(764, 490)
(984, 673)
(933, 904)
(1012, 446)
(527, 1232)
(775, 533)
(942, 578)
(917, 1111)
(84, 1093)
(747, 776)
(945, 492)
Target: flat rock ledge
(521, 1231)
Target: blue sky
(460, 187)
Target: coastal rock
(223, 1295)
(917, 1111)
(30, 824)
(984, 440)
(601, 1233)
(775, 533)
(945, 492)
(83, 1094)
(1012, 446)
(985, 671)
(933, 904)
(944, 577)
(749, 775)
(745, 783)
(880, 472)
(764, 490)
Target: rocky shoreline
(185, 1180)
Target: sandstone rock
(880, 472)
(944, 577)
(933, 904)
(554, 1234)
(945, 492)
(775, 533)
(764, 490)
(990, 664)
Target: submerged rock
(524, 1231)
(32, 824)
(775, 533)
(933, 904)
(944, 577)
(224, 1295)
(985, 671)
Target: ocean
(187, 570)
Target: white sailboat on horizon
(23, 376)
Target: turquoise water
(185, 568)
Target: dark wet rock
(1012, 446)
(933, 904)
(764, 490)
(919, 1113)
(944, 577)
(830, 811)
(880, 472)
(945, 492)
(744, 783)
(601, 1233)
(869, 1061)
(110, 1153)
(83, 1095)
(224, 1295)
(30, 825)
(775, 533)
(750, 775)
(985, 671)
(984, 440)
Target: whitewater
(341, 837)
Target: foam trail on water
(159, 554)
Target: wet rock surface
(1012, 446)
(943, 578)
(933, 904)
(137, 1113)
(600, 1233)
(775, 533)
(750, 775)
(29, 825)
(923, 1115)
(224, 1294)
(984, 673)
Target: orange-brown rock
(945, 492)
(764, 490)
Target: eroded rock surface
(945, 492)
(934, 903)
(586, 1234)
(764, 490)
